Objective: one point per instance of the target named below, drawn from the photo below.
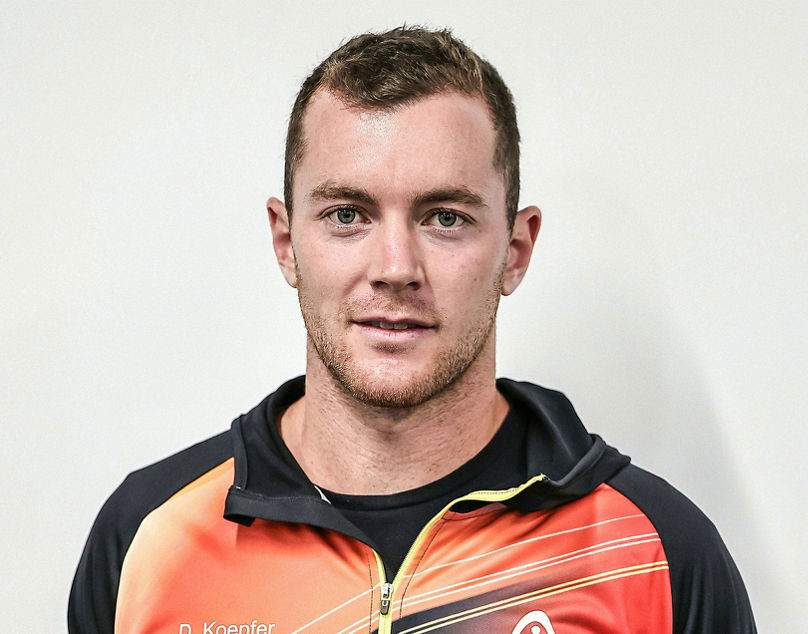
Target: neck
(350, 447)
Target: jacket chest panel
(595, 565)
(283, 575)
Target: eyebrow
(330, 190)
(462, 195)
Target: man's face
(400, 243)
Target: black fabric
(392, 522)
(708, 592)
(573, 461)
(269, 484)
(91, 607)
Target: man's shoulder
(707, 591)
(707, 588)
(144, 490)
(147, 488)
(95, 585)
(667, 507)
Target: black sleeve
(708, 592)
(91, 607)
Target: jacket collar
(270, 485)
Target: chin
(392, 395)
(394, 386)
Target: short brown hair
(384, 70)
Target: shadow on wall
(636, 379)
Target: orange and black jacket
(228, 538)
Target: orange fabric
(593, 565)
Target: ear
(282, 239)
(525, 230)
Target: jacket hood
(573, 461)
(270, 485)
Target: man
(399, 487)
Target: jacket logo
(535, 622)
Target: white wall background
(142, 309)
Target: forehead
(442, 140)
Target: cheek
(326, 280)
(466, 281)
(477, 268)
(314, 266)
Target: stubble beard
(387, 388)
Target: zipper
(386, 599)
(388, 589)
(387, 596)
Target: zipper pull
(387, 595)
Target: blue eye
(346, 215)
(447, 218)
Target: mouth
(391, 325)
(398, 327)
(393, 335)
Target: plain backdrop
(142, 308)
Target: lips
(392, 325)
(392, 334)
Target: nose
(395, 261)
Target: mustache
(391, 304)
